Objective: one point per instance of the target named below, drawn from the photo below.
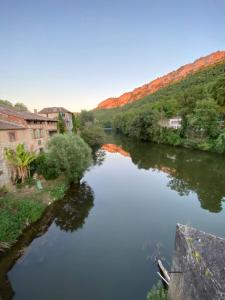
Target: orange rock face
(163, 81)
(112, 148)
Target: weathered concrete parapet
(201, 259)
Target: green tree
(20, 106)
(44, 166)
(61, 124)
(93, 135)
(218, 91)
(5, 103)
(20, 159)
(76, 125)
(204, 119)
(220, 142)
(70, 154)
(86, 117)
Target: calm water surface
(101, 241)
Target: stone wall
(198, 266)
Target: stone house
(53, 113)
(22, 127)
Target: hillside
(199, 99)
(163, 81)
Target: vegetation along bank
(40, 179)
(197, 103)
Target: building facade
(53, 113)
(174, 122)
(22, 128)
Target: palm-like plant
(20, 159)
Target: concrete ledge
(201, 259)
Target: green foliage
(16, 214)
(218, 91)
(140, 124)
(20, 106)
(157, 292)
(220, 142)
(61, 124)
(205, 118)
(44, 166)
(5, 103)
(58, 191)
(20, 159)
(199, 99)
(86, 118)
(70, 154)
(76, 124)
(93, 135)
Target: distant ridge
(163, 81)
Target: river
(102, 240)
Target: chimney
(35, 111)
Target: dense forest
(199, 100)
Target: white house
(174, 122)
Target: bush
(70, 154)
(93, 135)
(157, 292)
(44, 166)
(190, 143)
(208, 145)
(58, 191)
(220, 142)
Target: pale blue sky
(75, 53)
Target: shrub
(58, 191)
(46, 167)
(220, 142)
(208, 145)
(70, 154)
(157, 292)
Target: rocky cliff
(163, 81)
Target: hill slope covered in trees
(199, 99)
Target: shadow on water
(188, 170)
(69, 214)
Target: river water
(101, 241)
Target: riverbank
(23, 206)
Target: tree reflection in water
(69, 214)
(75, 208)
(187, 170)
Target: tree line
(199, 100)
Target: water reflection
(188, 171)
(112, 148)
(72, 214)
(98, 157)
(69, 214)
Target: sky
(76, 53)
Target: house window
(12, 136)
